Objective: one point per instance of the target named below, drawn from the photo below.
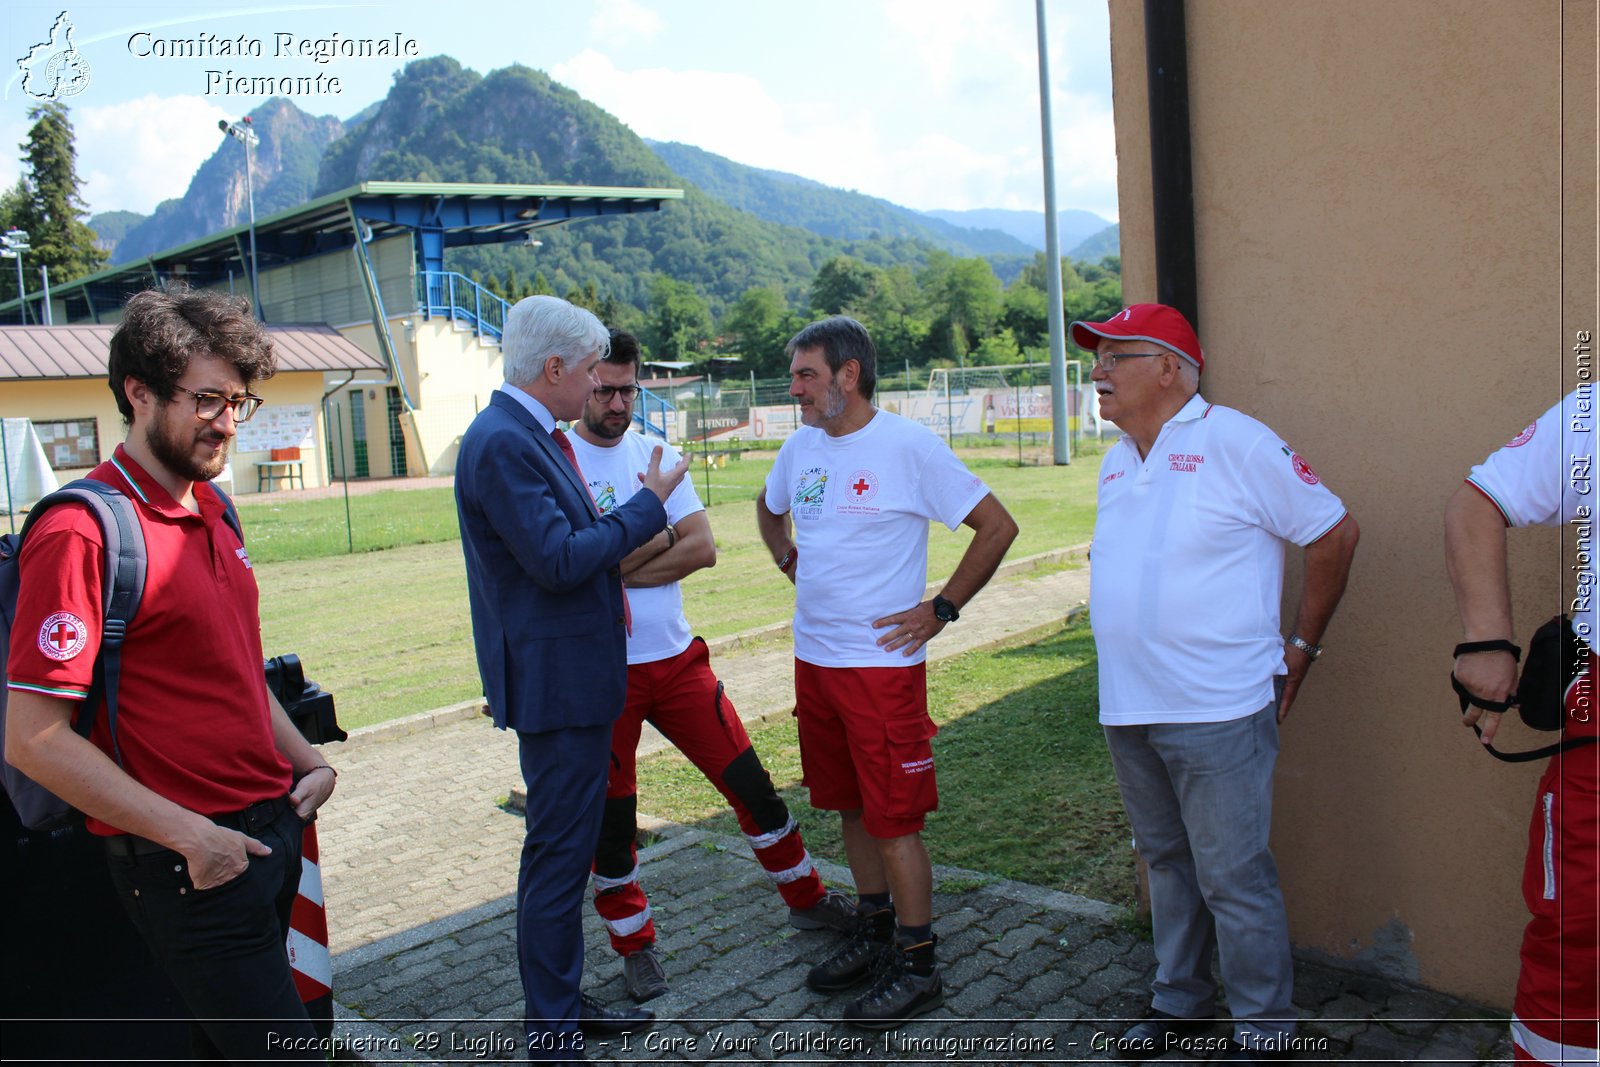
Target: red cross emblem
(62, 636)
(863, 486)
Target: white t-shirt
(861, 504)
(1545, 476)
(659, 628)
(1186, 571)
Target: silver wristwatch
(1311, 651)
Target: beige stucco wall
(1380, 224)
(89, 398)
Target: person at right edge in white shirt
(1196, 505)
(1543, 476)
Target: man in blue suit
(549, 621)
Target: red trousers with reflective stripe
(1558, 988)
(678, 696)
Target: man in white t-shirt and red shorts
(1196, 505)
(671, 686)
(845, 514)
(1543, 476)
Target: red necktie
(565, 445)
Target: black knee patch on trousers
(750, 782)
(613, 854)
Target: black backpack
(122, 588)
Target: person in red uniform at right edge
(1545, 476)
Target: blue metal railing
(456, 297)
(460, 299)
(652, 413)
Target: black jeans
(224, 947)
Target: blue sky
(929, 103)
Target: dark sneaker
(869, 945)
(596, 1018)
(897, 995)
(643, 975)
(834, 911)
(1156, 1032)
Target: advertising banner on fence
(774, 422)
(958, 414)
(1017, 411)
(712, 424)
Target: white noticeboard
(278, 426)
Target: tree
(679, 319)
(757, 327)
(842, 286)
(53, 212)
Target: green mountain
(1072, 226)
(111, 226)
(1107, 242)
(285, 168)
(444, 122)
(790, 199)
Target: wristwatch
(945, 611)
(1311, 651)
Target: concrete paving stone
(1078, 934)
(1019, 939)
(1041, 957)
(974, 999)
(969, 969)
(948, 923)
(1039, 992)
(1112, 980)
(1380, 1043)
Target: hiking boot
(899, 993)
(833, 912)
(643, 975)
(869, 944)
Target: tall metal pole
(244, 131)
(44, 274)
(1052, 254)
(250, 197)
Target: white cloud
(713, 110)
(613, 19)
(135, 154)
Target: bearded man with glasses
(1196, 505)
(671, 686)
(202, 794)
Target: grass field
(387, 632)
(1026, 787)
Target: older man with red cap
(1196, 504)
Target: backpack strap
(122, 588)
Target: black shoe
(1156, 1033)
(596, 1018)
(897, 995)
(643, 976)
(860, 957)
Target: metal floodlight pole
(13, 243)
(1052, 255)
(243, 132)
(44, 276)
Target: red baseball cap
(1156, 323)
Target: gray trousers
(1199, 799)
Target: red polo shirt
(192, 714)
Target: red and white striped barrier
(308, 939)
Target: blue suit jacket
(546, 594)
